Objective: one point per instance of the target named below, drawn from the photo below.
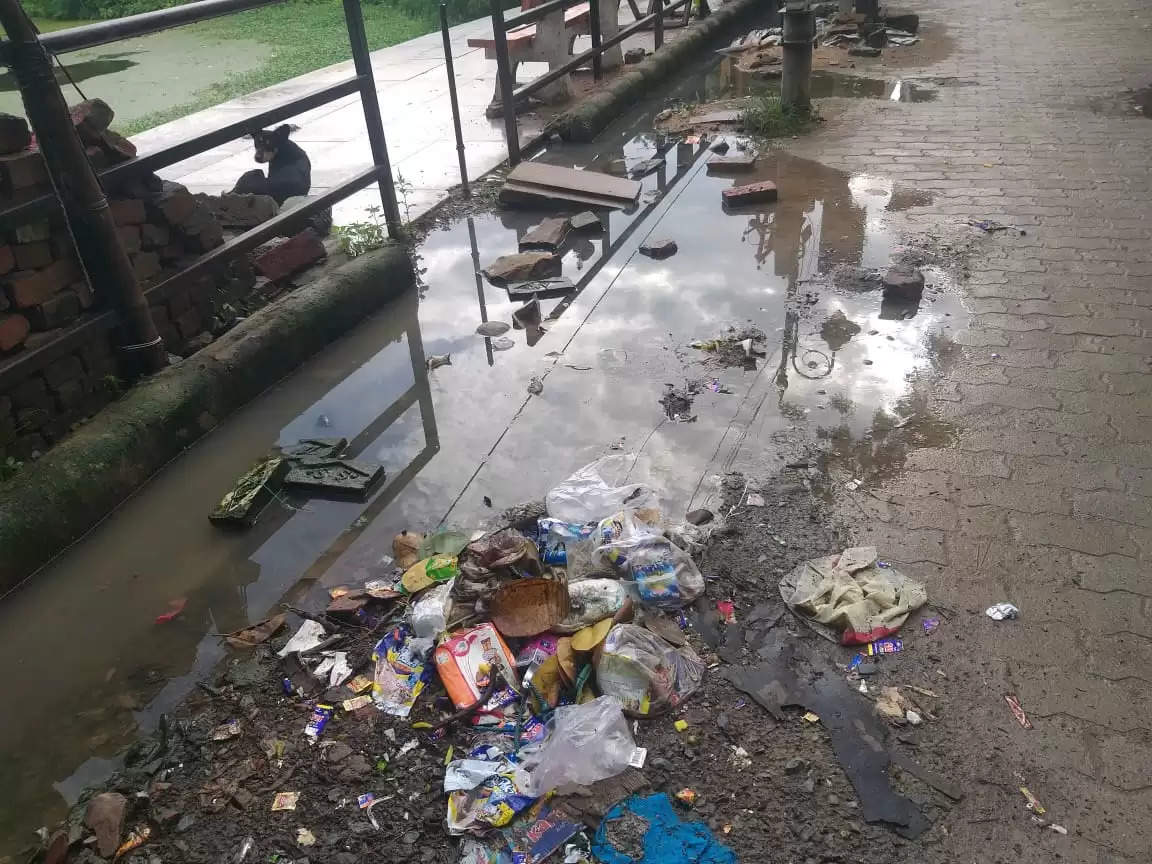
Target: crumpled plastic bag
(849, 598)
(493, 561)
(662, 574)
(430, 612)
(597, 490)
(590, 601)
(644, 672)
(587, 743)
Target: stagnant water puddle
(89, 663)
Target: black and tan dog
(289, 171)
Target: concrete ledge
(51, 503)
(585, 121)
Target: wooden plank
(570, 180)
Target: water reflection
(104, 672)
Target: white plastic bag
(587, 743)
(430, 612)
(598, 490)
(644, 672)
(662, 574)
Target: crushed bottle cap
(681, 725)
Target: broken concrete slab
(556, 286)
(659, 249)
(251, 494)
(522, 267)
(904, 283)
(720, 147)
(752, 193)
(314, 447)
(634, 55)
(863, 51)
(548, 235)
(535, 182)
(730, 116)
(586, 221)
(347, 476)
(732, 164)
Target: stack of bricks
(43, 288)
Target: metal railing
(105, 32)
(511, 95)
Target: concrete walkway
(412, 85)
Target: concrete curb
(588, 119)
(51, 503)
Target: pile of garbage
(545, 636)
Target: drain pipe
(796, 75)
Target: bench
(550, 41)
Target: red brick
(56, 311)
(211, 236)
(175, 203)
(172, 252)
(32, 256)
(146, 265)
(118, 148)
(753, 193)
(127, 211)
(7, 259)
(129, 238)
(22, 170)
(13, 331)
(291, 256)
(154, 236)
(33, 288)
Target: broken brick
(127, 211)
(56, 311)
(31, 288)
(95, 115)
(22, 170)
(154, 236)
(13, 331)
(32, 256)
(145, 264)
(118, 148)
(129, 238)
(752, 193)
(291, 256)
(176, 203)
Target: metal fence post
(452, 96)
(358, 40)
(594, 32)
(658, 27)
(504, 71)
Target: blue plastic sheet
(667, 840)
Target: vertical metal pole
(455, 102)
(504, 73)
(658, 28)
(594, 32)
(796, 73)
(479, 286)
(358, 40)
(86, 210)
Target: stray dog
(289, 171)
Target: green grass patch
(305, 35)
(766, 117)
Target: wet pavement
(837, 359)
